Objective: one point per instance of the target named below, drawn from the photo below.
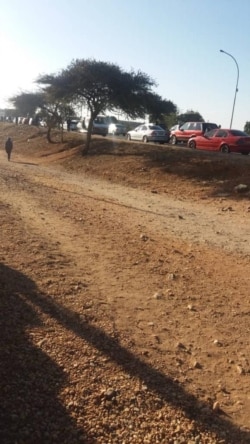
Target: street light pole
(237, 81)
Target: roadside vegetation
(97, 85)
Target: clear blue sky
(176, 42)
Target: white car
(81, 126)
(149, 132)
(117, 129)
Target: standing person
(68, 124)
(8, 147)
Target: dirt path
(141, 302)
(224, 226)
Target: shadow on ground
(24, 163)
(30, 411)
(28, 371)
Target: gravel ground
(115, 317)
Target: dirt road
(125, 313)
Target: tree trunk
(88, 140)
(49, 134)
(61, 133)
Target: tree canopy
(102, 87)
(45, 105)
(189, 116)
(26, 103)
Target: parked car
(164, 126)
(174, 128)
(100, 125)
(42, 123)
(224, 140)
(148, 133)
(190, 129)
(117, 129)
(71, 125)
(81, 126)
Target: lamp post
(237, 81)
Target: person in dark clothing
(8, 147)
(68, 124)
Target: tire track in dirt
(198, 223)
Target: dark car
(100, 125)
(223, 140)
(190, 129)
(71, 124)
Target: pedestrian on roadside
(68, 124)
(8, 147)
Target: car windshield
(100, 120)
(209, 126)
(154, 127)
(210, 133)
(239, 133)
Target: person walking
(8, 147)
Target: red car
(224, 140)
(190, 129)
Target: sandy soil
(124, 293)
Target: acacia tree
(171, 119)
(54, 112)
(190, 116)
(26, 103)
(46, 105)
(102, 87)
(160, 108)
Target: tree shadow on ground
(166, 388)
(30, 411)
(24, 163)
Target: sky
(175, 42)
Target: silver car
(148, 132)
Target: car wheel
(128, 137)
(192, 144)
(225, 149)
(145, 139)
(245, 154)
(173, 140)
